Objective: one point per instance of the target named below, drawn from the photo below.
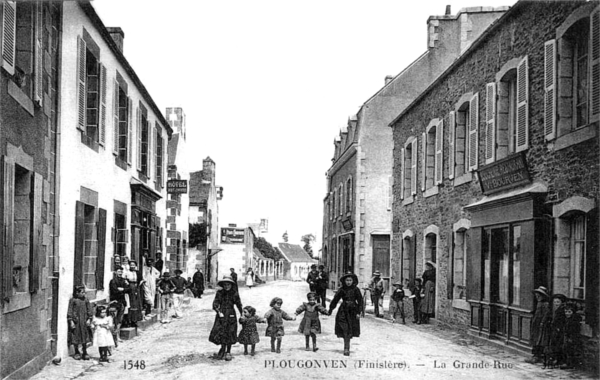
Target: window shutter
(450, 279)
(591, 268)
(156, 137)
(138, 134)
(81, 77)
(100, 259)
(402, 173)
(550, 89)
(79, 243)
(423, 161)
(439, 152)
(413, 169)
(473, 132)
(595, 64)
(341, 199)
(522, 105)
(451, 159)
(36, 234)
(39, 54)
(9, 32)
(102, 105)
(8, 217)
(490, 123)
(129, 131)
(116, 119)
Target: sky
(267, 85)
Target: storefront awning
(533, 188)
(380, 232)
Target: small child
(249, 333)
(103, 338)
(311, 325)
(79, 317)
(397, 302)
(275, 318)
(572, 345)
(113, 310)
(165, 288)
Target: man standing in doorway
(377, 291)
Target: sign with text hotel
(177, 186)
(504, 174)
(232, 235)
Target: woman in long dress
(347, 319)
(224, 331)
(250, 278)
(428, 301)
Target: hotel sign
(232, 235)
(177, 186)
(504, 174)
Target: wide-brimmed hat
(430, 263)
(397, 284)
(562, 297)
(225, 280)
(377, 273)
(166, 274)
(349, 274)
(542, 290)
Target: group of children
(224, 331)
(555, 331)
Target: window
(21, 199)
(143, 143)
(408, 171)
(459, 291)
(572, 76)
(90, 235)
(431, 247)
(159, 156)
(349, 195)
(578, 249)
(464, 138)
(121, 235)
(333, 204)
(122, 115)
(432, 154)
(341, 199)
(501, 259)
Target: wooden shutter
(402, 173)
(9, 32)
(451, 148)
(591, 267)
(550, 89)
(522, 105)
(100, 259)
(138, 134)
(36, 234)
(423, 160)
(79, 243)
(129, 131)
(490, 123)
(439, 152)
(413, 169)
(39, 54)
(595, 64)
(103, 89)
(450, 276)
(116, 118)
(8, 217)
(151, 138)
(156, 137)
(474, 132)
(81, 78)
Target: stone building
(496, 172)
(358, 204)
(176, 256)
(296, 262)
(204, 208)
(113, 160)
(30, 34)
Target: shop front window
(502, 265)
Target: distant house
(296, 263)
(263, 267)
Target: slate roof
(259, 255)
(294, 253)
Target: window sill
(434, 190)
(461, 304)
(408, 200)
(17, 302)
(17, 94)
(576, 137)
(120, 163)
(142, 177)
(465, 178)
(89, 142)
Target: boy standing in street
(377, 291)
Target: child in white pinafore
(103, 338)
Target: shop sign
(347, 224)
(504, 174)
(177, 186)
(231, 235)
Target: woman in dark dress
(347, 319)
(428, 301)
(135, 297)
(224, 331)
(542, 316)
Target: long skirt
(135, 299)
(224, 330)
(347, 324)
(428, 302)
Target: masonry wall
(570, 171)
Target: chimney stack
(448, 11)
(388, 78)
(118, 36)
